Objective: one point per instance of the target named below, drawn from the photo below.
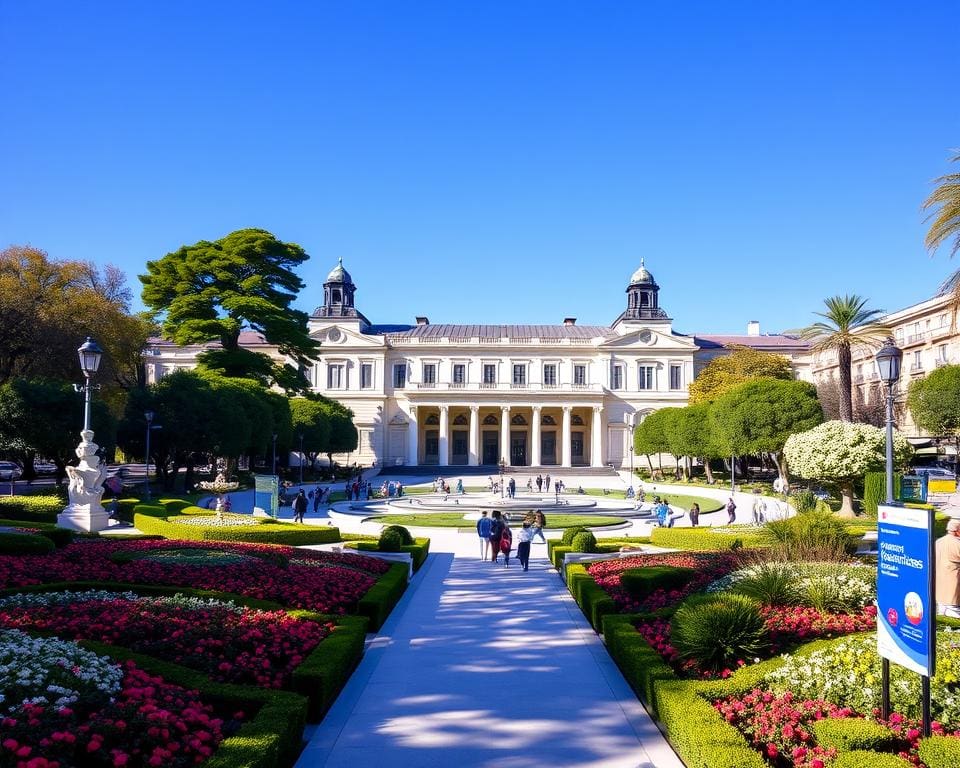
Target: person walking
(299, 506)
(663, 512)
(524, 539)
(947, 571)
(483, 531)
(758, 508)
(539, 523)
(694, 514)
(546, 484)
(731, 511)
(506, 541)
(317, 499)
(539, 483)
(496, 531)
(512, 485)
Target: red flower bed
(709, 566)
(332, 584)
(149, 723)
(258, 647)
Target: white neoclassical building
(531, 395)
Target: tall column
(596, 434)
(505, 433)
(443, 458)
(413, 438)
(565, 438)
(535, 438)
(473, 450)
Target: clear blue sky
(488, 161)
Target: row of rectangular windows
(336, 375)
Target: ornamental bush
(861, 758)
(584, 542)
(405, 536)
(813, 535)
(804, 501)
(940, 751)
(718, 630)
(847, 733)
(641, 582)
(23, 543)
(569, 533)
(770, 583)
(390, 541)
(43, 508)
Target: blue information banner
(265, 494)
(906, 611)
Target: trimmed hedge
(590, 596)
(640, 582)
(35, 507)
(153, 519)
(584, 542)
(59, 536)
(383, 596)
(848, 733)
(940, 751)
(701, 539)
(272, 739)
(862, 758)
(418, 550)
(12, 543)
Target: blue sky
(495, 161)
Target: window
(646, 377)
(366, 375)
(579, 375)
(519, 374)
(550, 375)
(489, 373)
(335, 376)
(616, 377)
(944, 320)
(459, 373)
(429, 373)
(676, 377)
(400, 375)
(942, 353)
(917, 362)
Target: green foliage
(213, 290)
(326, 670)
(310, 418)
(24, 544)
(717, 630)
(652, 434)
(567, 537)
(154, 519)
(584, 541)
(861, 758)
(804, 501)
(691, 433)
(758, 416)
(706, 538)
(848, 733)
(590, 596)
(34, 507)
(940, 751)
(769, 583)
(840, 451)
(728, 371)
(383, 596)
(934, 401)
(403, 533)
(418, 551)
(814, 535)
(390, 540)
(875, 490)
(640, 582)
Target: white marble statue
(85, 489)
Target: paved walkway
(482, 665)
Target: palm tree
(945, 217)
(848, 325)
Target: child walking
(524, 538)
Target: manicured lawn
(676, 499)
(457, 520)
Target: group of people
(510, 486)
(392, 489)
(358, 490)
(314, 498)
(496, 536)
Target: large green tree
(651, 436)
(311, 420)
(847, 324)
(214, 290)
(934, 401)
(740, 365)
(758, 417)
(343, 436)
(691, 435)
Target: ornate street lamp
(631, 422)
(273, 467)
(148, 416)
(90, 355)
(888, 365)
(301, 457)
(503, 466)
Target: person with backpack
(496, 531)
(506, 541)
(483, 531)
(731, 511)
(299, 507)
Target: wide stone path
(481, 665)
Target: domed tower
(338, 290)
(643, 302)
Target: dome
(338, 274)
(642, 275)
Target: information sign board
(265, 494)
(913, 488)
(906, 618)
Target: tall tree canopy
(652, 434)
(691, 435)
(48, 306)
(214, 290)
(846, 325)
(758, 417)
(742, 364)
(934, 401)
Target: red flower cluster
(709, 566)
(149, 723)
(332, 584)
(258, 647)
(790, 624)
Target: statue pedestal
(84, 517)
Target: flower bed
(227, 642)
(102, 714)
(330, 589)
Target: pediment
(650, 339)
(333, 336)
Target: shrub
(153, 519)
(12, 543)
(33, 508)
(816, 535)
(382, 596)
(390, 541)
(590, 596)
(866, 759)
(641, 582)
(770, 583)
(804, 501)
(584, 542)
(405, 537)
(875, 491)
(717, 630)
(940, 751)
(569, 533)
(705, 539)
(849, 733)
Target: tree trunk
(649, 463)
(781, 463)
(846, 493)
(708, 471)
(846, 386)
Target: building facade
(563, 395)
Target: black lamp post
(632, 427)
(301, 457)
(148, 415)
(90, 354)
(503, 466)
(273, 466)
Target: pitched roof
(447, 331)
(771, 341)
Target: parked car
(44, 467)
(933, 473)
(9, 471)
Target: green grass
(456, 520)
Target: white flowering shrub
(45, 670)
(850, 586)
(840, 451)
(46, 599)
(847, 673)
